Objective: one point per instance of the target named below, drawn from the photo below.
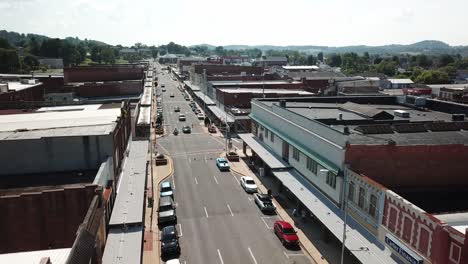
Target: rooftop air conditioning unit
(401, 113)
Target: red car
(286, 233)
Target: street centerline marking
(220, 257)
(206, 212)
(216, 180)
(196, 181)
(229, 207)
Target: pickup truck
(264, 202)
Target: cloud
(405, 16)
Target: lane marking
(265, 223)
(206, 212)
(252, 255)
(196, 182)
(216, 180)
(220, 257)
(250, 199)
(286, 254)
(229, 207)
(180, 229)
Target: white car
(200, 116)
(181, 117)
(173, 261)
(248, 184)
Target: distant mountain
(426, 46)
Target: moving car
(166, 189)
(169, 241)
(286, 233)
(186, 129)
(222, 164)
(181, 117)
(264, 202)
(166, 211)
(248, 184)
(201, 116)
(177, 109)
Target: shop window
(373, 206)
(295, 154)
(312, 165)
(351, 191)
(362, 195)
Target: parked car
(166, 189)
(169, 241)
(286, 233)
(186, 129)
(212, 129)
(171, 95)
(248, 184)
(222, 164)
(166, 211)
(163, 89)
(181, 117)
(264, 202)
(173, 261)
(201, 116)
(177, 109)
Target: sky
(247, 22)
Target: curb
(171, 171)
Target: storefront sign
(403, 250)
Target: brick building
(101, 73)
(23, 87)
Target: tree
(51, 48)
(34, 46)
(433, 77)
(445, 59)
(220, 51)
(320, 56)
(154, 51)
(107, 55)
(9, 61)
(311, 60)
(387, 67)
(4, 44)
(96, 54)
(423, 61)
(334, 60)
(30, 62)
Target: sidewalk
(151, 247)
(301, 228)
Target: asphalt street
(217, 221)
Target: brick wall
(407, 166)
(103, 73)
(107, 89)
(43, 220)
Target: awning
(191, 86)
(221, 114)
(272, 160)
(362, 244)
(206, 99)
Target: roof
(264, 152)
(221, 114)
(144, 117)
(128, 206)
(301, 67)
(57, 256)
(123, 246)
(331, 216)
(459, 221)
(146, 96)
(259, 83)
(18, 86)
(61, 119)
(192, 86)
(366, 111)
(205, 98)
(266, 91)
(400, 81)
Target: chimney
(340, 116)
(283, 103)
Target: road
(218, 222)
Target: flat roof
(128, 206)
(78, 118)
(400, 81)
(449, 86)
(301, 67)
(57, 256)
(238, 83)
(144, 117)
(146, 96)
(192, 86)
(36, 75)
(221, 114)
(205, 98)
(459, 221)
(263, 151)
(123, 246)
(363, 245)
(267, 91)
(18, 86)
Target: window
(272, 137)
(407, 228)
(331, 179)
(266, 133)
(312, 165)
(392, 219)
(351, 191)
(423, 240)
(362, 195)
(373, 206)
(455, 252)
(295, 154)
